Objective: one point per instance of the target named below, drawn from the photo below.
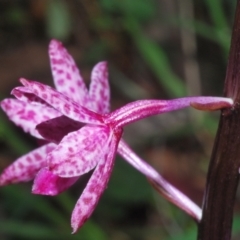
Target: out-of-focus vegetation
(155, 49)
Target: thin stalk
(137, 110)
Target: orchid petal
(79, 151)
(95, 187)
(26, 115)
(47, 183)
(99, 91)
(62, 103)
(55, 129)
(26, 167)
(25, 95)
(66, 75)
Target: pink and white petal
(62, 103)
(95, 187)
(26, 167)
(66, 74)
(26, 115)
(79, 151)
(47, 183)
(25, 95)
(55, 129)
(99, 91)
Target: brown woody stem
(223, 176)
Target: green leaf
(28, 230)
(11, 138)
(38, 204)
(157, 59)
(58, 20)
(141, 10)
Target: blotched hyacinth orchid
(82, 135)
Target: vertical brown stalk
(223, 176)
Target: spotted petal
(26, 115)
(66, 75)
(99, 91)
(26, 167)
(95, 187)
(62, 103)
(79, 151)
(26, 95)
(47, 183)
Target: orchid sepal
(26, 167)
(62, 103)
(97, 184)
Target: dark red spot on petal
(38, 157)
(20, 165)
(87, 200)
(92, 188)
(70, 149)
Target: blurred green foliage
(129, 206)
(58, 20)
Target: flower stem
(137, 110)
(171, 193)
(223, 176)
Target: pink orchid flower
(83, 135)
